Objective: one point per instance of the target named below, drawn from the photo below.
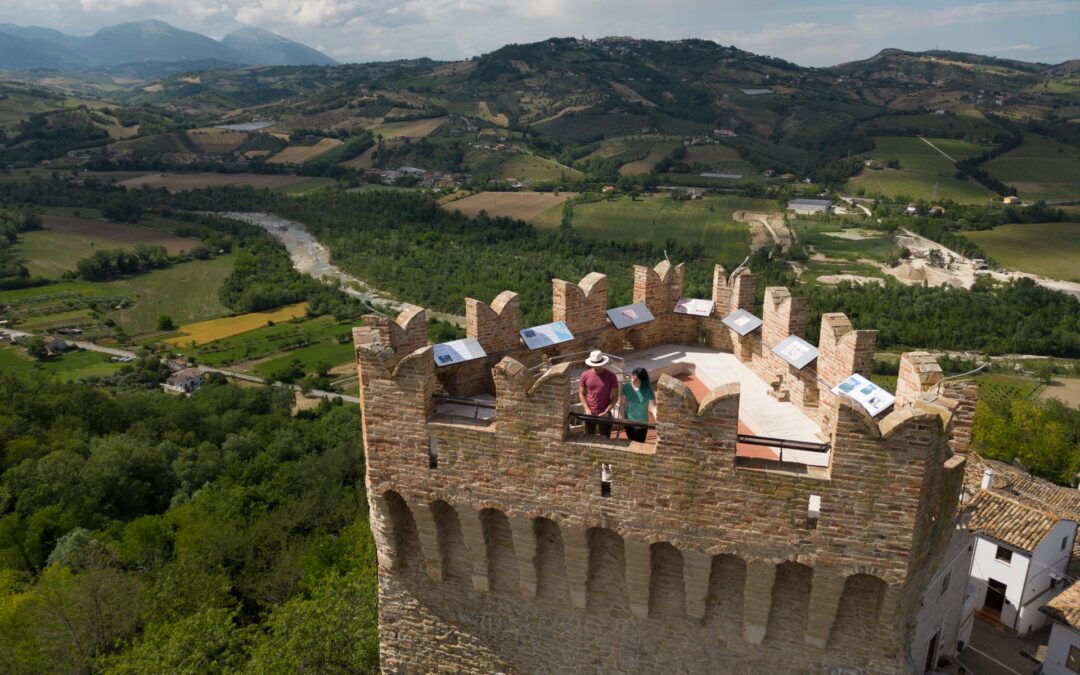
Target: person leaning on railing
(598, 392)
(639, 401)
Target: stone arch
(453, 553)
(858, 613)
(406, 553)
(499, 543)
(790, 606)
(550, 561)
(724, 603)
(667, 589)
(606, 584)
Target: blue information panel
(741, 321)
(796, 351)
(458, 351)
(547, 335)
(869, 395)
(629, 315)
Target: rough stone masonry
(498, 552)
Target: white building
(1021, 556)
(1063, 650)
(808, 206)
(185, 381)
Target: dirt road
(765, 229)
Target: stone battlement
(474, 517)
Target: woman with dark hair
(640, 401)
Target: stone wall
(505, 556)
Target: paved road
(231, 374)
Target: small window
(1064, 542)
(605, 480)
(945, 582)
(1004, 554)
(433, 453)
(1072, 662)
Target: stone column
(638, 575)
(824, 601)
(696, 570)
(757, 600)
(525, 551)
(576, 550)
(473, 532)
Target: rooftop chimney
(987, 479)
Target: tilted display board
(458, 351)
(742, 322)
(629, 315)
(694, 307)
(796, 351)
(870, 396)
(547, 335)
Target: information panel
(694, 307)
(549, 334)
(796, 351)
(630, 315)
(870, 396)
(458, 351)
(741, 321)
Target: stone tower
(499, 550)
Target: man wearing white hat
(599, 392)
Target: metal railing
(782, 444)
(475, 403)
(619, 423)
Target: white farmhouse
(1063, 650)
(1021, 556)
(185, 381)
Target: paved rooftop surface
(759, 411)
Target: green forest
(143, 532)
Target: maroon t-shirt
(598, 389)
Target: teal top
(637, 402)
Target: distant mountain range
(148, 42)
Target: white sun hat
(596, 359)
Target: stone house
(766, 524)
(185, 381)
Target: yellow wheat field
(298, 154)
(215, 329)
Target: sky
(808, 32)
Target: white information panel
(694, 307)
(741, 321)
(796, 351)
(629, 315)
(549, 334)
(458, 351)
(869, 395)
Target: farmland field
(69, 366)
(410, 129)
(178, 182)
(187, 292)
(203, 332)
(645, 165)
(520, 166)
(1041, 168)
(527, 206)
(298, 154)
(328, 353)
(213, 140)
(51, 251)
(706, 222)
(268, 341)
(924, 172)
(1049, 249)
